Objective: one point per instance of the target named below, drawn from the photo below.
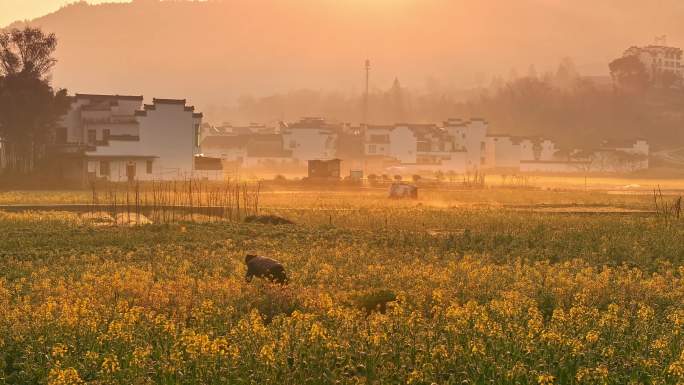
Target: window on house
(197, 135)
(104, 168)
(149, 166)
(371, 149)
(92, 136)
(105, 135)
(293, 144)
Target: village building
(470, 136)
(414, 148)
(658, 59)
(311, 138)
(252, 150)
(503, 152)
(610, 157)
(457, 146)
(621, 156)
(117, 138)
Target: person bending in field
(262, 267)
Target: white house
(502, 152)
(376, 142)
(611, 157)
(621, 156)
(232, 148)
(470, 136)
(415, 148)
(311, 139)
(116, 138)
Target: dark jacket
(263, 267)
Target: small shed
(206, 163)
(324, 169)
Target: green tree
(29, 106)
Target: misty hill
(214, 51)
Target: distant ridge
(212, 52)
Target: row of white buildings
(459, 146)
(119, 138)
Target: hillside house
(658, 60)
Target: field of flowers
(482, 295)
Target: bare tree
(28, 52)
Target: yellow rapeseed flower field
(476, 294)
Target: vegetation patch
(268, 220)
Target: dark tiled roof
(197, 115)
(620, 143)
(168, 101)
(116, 97)
(519, 139)
(140, 113)
(117, 157)
(225, 141)
(313, 123)
(455, 123)
(555, 161)
(267, 146)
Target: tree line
(29, 106)
(572, 109)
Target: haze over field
(216, 51)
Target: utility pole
(365, 97)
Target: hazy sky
(13, 10)
(217, 51)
